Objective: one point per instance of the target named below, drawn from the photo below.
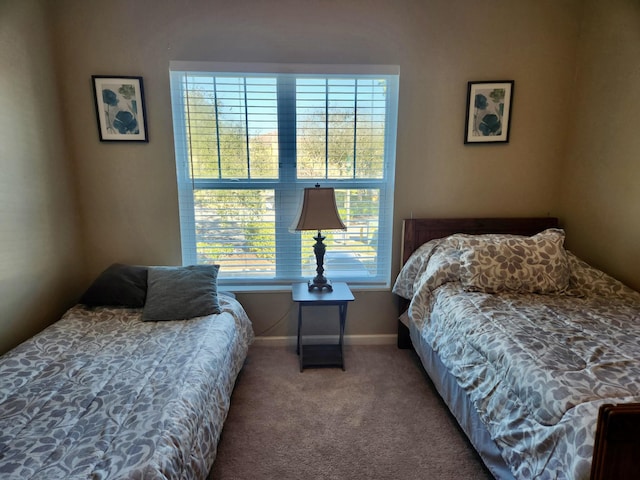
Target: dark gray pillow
(180, 293)
(119, 285)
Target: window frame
(287, 187)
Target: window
(250, 138)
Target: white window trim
(185, 186)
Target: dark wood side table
(324, 355)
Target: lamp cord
(278, 322)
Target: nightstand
(325, 355)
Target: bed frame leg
(404, 340)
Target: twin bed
(536, 353)
(525, 343)
(134, 382)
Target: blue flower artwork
(487, 117)
(120, 109)
(488, 113)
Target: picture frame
(488, 116)
(120, 108)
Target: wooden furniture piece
(617, 446)
(322, 355)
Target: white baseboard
(383, 339)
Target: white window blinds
(250, 138)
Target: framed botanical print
(120, 109)
(488, 112)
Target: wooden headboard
(416, 231)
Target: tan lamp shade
(319, 211)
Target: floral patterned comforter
(536, 367)
(101, 394)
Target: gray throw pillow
(119, 285)
(180, 293)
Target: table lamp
(319, 212)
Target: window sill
(355, 287)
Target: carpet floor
(379, 419)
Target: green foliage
(127, 91)
(221, 148)
(262, 239)
(348, 135)
(497, 95)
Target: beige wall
(601, 190)
(128, 192)
(40, 258)
(573, 148)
